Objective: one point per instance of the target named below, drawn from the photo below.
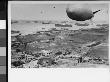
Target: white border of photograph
(53, 74)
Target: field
(39, 44)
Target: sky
(52, 12)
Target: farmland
(55, 47)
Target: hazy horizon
(55, 12)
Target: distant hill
(79, 24)
(91, 34)
(13, 31)
(100, 51)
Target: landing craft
(80, 12)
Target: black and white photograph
(59, 35)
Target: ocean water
(28, 28)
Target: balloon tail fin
(96, 11)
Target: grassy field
(64, 39)
(101, 51)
